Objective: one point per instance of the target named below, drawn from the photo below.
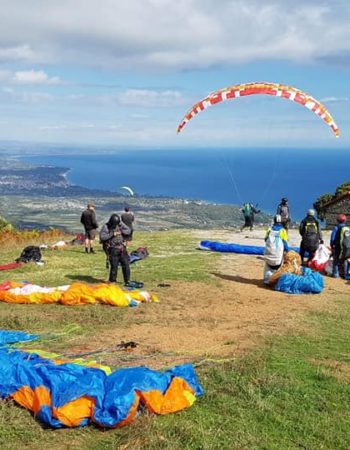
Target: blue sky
(123, 74)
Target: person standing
(336, 243)
(248, 211)
(115, 247)
(284, 212)
(311, 236)
(88, 219)
(128, 218)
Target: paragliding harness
(30, 253)
(113, 243)
(139, 253)
(345, 243)
(311, 236)
(247, 210)
(274, 249)
(124, 229)
(284, 212)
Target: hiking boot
(134, 284)
(86, 250)
(92, 250)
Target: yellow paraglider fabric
(73, 295)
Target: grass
(291, 393)
(172, 257)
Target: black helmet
(284, 200)
(113, 222)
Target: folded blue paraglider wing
(235, 248)
(231, 248)
(308, 283)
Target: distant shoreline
(231, 177)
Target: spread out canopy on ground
(274, 89)
(72, 295)
(128, 190)
(70, 395)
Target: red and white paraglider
(274, 89)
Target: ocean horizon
(226, 176)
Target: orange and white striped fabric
(265, 88)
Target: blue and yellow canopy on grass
(70, 395)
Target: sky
(123, 74)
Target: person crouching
(114, 245)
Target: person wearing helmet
(276, 244)
(284, 212)
(114, 246)
(310, 233)
(336, 241)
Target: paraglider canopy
(127, 190)
(274, 89)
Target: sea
(222, 176)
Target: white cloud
(34, 77)
(167, 34)
(150, 98)
(20, 52)
(83, 126)
(27, 97)
(28, 77)
(5, 75)
(335, 99)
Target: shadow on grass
(85, 278)
(239, 279)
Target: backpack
(247, 210)
(125, 229)
(274, 248)
(284, 212)
(30, 253)
(345, 243)
(311, 236)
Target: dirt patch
(220, 319)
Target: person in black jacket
(311, 235)
(115, 247)
(88, 219)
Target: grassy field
(291, 392)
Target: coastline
(42, 196)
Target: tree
(320, 202)
(343, 188)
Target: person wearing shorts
(88, 220)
